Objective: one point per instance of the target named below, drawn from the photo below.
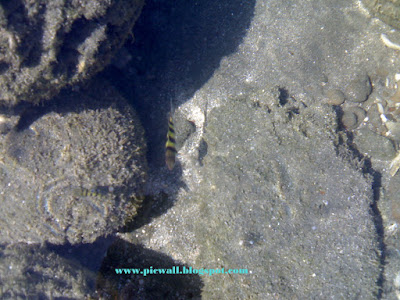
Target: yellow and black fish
(170, 149)
(98, 192)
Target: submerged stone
(49, 44)
(375, 145)
(72, 172)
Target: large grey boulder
(73, 173)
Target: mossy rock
(48, 44)
(72, 173)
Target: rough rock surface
(386, 10)
(48, 44)
(279, 201)
(274, 198)
(69, 172)
(35, 272)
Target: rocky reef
(72, 171)
(46, 45)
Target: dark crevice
(283, 96)
(4, 67)
(26, 29)
(346, 148)
(68, 56)
(203, 149)
(29, 116)
(378, 221)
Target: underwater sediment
(386, 10)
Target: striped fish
(170, 149)
(98, 192)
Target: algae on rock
(71, 174)
(46, 45)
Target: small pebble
(334, 97)
(360, 113)
(375, 145)
(374, 116)
(394, 129)
(349, 120)
(358, 89)
(396, 97)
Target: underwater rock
(375, 145)
(35, 272)
(353, 117)
(334, 97)
(386, 10)
(70, 172)
(263, 209)
(349, 120)
(46, 45)
(358, 89)
(374, 118)
(393, 194)
(272, 197)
